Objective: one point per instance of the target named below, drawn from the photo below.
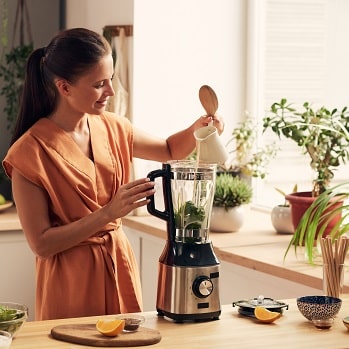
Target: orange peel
(110, 328)
(264, 315)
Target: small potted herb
(245, 158)
(231, 195)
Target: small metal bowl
(132, 321)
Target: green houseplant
(245, 157)
(328, 213)
(13, 61)
(13, 64)
(322, 134)
(231, 194)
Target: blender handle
(165, 215)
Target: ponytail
(38, 97)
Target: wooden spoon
(208, 99)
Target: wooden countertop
(9, 220)
(292, 330)
(256, 246)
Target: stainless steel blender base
(188, 293)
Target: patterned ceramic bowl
(319, 307)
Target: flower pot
(227, 220)
(300, 202)
(281, 219)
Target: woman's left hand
(205, 120)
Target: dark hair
(69, 55)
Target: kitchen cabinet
(17, 272)
(236, 282)
(148, 250)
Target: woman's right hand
(131, 196)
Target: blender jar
(192, 189)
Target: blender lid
(246, 307)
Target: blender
(188, 271)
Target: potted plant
(319, 217)
(231, 195)
(13, 65)
(322, 134)
(281, 215)
(246, 159)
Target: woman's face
(90, 93)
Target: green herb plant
(231, 191)
(246, 158)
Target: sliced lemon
(265, 315)
(110, 328)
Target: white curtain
(120, 102)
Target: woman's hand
(131, 196)
(205, 120)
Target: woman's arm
(45, 240)
(176, 147)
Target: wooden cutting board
(86, 334)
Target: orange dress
(100, 275)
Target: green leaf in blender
(189, 216)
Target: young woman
(70, 162)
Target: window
(296, 53)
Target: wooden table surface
(292, 330)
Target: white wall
(177, 47)
(185, 45)
(95, 15)
(337, 64)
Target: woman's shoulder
(116, 124)
(113, 118)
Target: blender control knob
(202, 286)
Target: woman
(70, 162)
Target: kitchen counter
(256, 246)
(292, 330)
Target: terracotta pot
(300, 202)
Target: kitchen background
(177, 46)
